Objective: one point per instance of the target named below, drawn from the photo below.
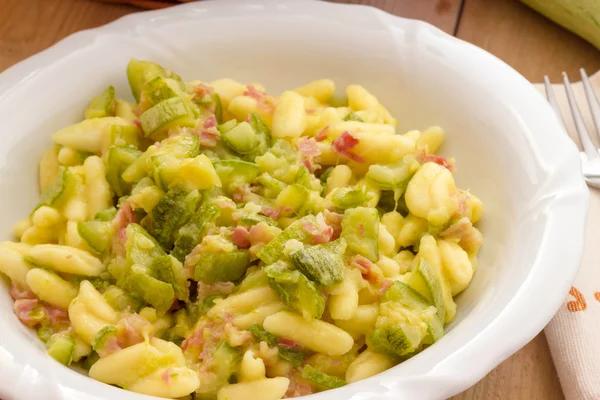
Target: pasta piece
(430, 194)
(172, 382)
(98, 192)
(289, 119)
(228, 89)
(367, 364)
(36, 235)
(388, 266)
(386, 242)
(244, 302)
(457, 266)
(89, 312)
(263, 389)
(412, 229)
(66, 259)
(258, 315)
(315, 334)
(362, 322)
(242, 106)
(322, 90)
(46, 217)
(20, 227)
(405, 260)
(48, 168)
(12, 263)
(431, 139)
(339, 177)
(51, 288)
(360, 99)
(343, 301)
(252, 368)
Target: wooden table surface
(531, 44)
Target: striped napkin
(572, 333)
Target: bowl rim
(451, 375)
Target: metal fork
(590, 156)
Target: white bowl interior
(416, 75)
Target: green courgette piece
(360, 229)
(102, 337)
(222, 267)
(273, 251)
(107, 214)
(61, 347)
(191, 233)
(165, 115)
(294, 356)
(235, 173)
(295, 290)
(57, 193)
(159, 89)
(121, 301)
(171, 212)
(86, 136)
(119, 158)
(140, 72)
(241, 139)
(320, 263)
(102, 105)
(353, 117)
(425, 281)
(405, 296)
(96, 234)
(271, 186)
(321, 379)
(345, 198)
(263, 136)
(169, 269)
(293, 197)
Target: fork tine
(552, 101)
(592, 100)
(584, 136)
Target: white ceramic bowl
(510, 151)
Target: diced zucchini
(360, 229)
(225, 360)
(118, 135)
(242, 139)
(169, 269)
(165, 168)
(227, 126)
(344, 198)
(121, 301)
(296, 290)
(157, 293)
(321, 379)
(57, 193)
(182, 146)
(119, 158)
(171, 212)
(235, 173)
(320, 263)
(191, 233)
(293, 196)
(272, 187)
(353, 116)
(102, 105)
(165, 115)
(425, 281)
(411, 299)
(222, 267)
(86, 135)
(159, 89)
(140, 72)
(106, 215)
(393, 177)
(61, 347)
(124, 109)
(96, 234)
(105, 334)
(292, 355)
(273, 251)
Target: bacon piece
(344, 144)
(130, 329)
(56, 315)
(335, 221)
(368, 270)
(202, 90)
(23, 309)
(320, 234)
(137, 122)
(262, 99)
(260, 233)
(439, 160)
(289, 343)
(241, 237)
(309, 111)
(308, 149)
(275, 212)
(322, 135)
(18, 293)
(210, 122)
(298, 386)
(125, 216)
(207, 289)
